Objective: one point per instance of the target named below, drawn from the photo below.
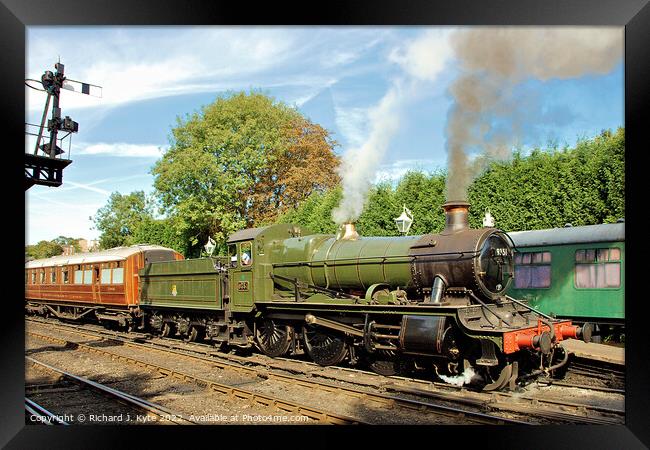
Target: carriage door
(241, 281)
(96, 282)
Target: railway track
(380, 399)
(149, 409)
(414, 388)
(37, 413)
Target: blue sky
(334, 75)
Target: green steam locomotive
(436, 301)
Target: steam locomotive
(431, 302)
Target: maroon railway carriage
(102, 284)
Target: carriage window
(53, 275)
(533, 270)
(88, 275)
(42, 279)
(106, 274)
(246, 254)
(598, 268)
(118, 273)
(232, 253)
(65, 275)
(78, 275)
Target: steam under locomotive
(435, 301)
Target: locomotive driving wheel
(325, 349)
(272, 339)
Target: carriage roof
(610, 232)
(112, 254)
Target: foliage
(120, 217)
(422, 195)
(547, 189)
(44, 249)
(581, 186)
(47, 249)
(241, 162)
(63, 241)
(159, 232)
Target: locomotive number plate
(242, 286)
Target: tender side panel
(192, 284)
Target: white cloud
(426, 56)
(89, 187)
(121, 150)
(144, 63)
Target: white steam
(359, 164)
(460, 380)
(422, 60)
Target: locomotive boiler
(424, 266)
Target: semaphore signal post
(45, 165)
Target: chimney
(348, 232)
(456, 216)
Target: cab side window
(246, 254)
(232, 253)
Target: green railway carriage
(573, 272)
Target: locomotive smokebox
(456, 217)
(348, 232)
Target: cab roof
(245, 235)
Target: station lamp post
(404, 221)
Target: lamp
(404, 221)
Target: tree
(120, 217)
(424, 195)
(241, 162)
(159, 232)
(378, 218)
(64, 241)
(44, 249)
(546, 189)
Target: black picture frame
(634, 15)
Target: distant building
(68, 250)
(84, 246)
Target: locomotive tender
(432, 301)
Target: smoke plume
(493, 61)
